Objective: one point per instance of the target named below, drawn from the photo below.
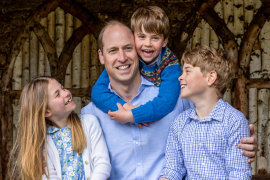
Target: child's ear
(100, 55)
(212, 77)
(48, 113)
(165, 42)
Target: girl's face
(60, 103)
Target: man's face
(119, 54)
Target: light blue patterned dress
(71, 162)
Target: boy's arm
(236, 164)
(101, 95)
(165, 102)
(174, 167)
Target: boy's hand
(121, 115)
(128, 106)
(249, 145)
(163, 178)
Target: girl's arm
(165, 102)
(102, 97)
(99, 154)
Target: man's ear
(48, 113)
(212, 77)
(165, 42)
(100, 55)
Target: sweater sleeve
(102, 97)
(165, 102)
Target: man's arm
(249, 145)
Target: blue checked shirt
(207, 148)
(137, 153)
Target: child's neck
(205, 106)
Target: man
(136, 153)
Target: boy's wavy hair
(28, 158)
(209, 59)
(152, 18)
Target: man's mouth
(183, 86)
(124, 67)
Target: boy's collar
(216, 114)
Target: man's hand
(121, 115)
(249, 145)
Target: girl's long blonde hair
(28, 159)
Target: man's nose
(122, 56)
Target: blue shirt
(207, 148)
(71, 162)
(137, 153)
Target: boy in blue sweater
(158, 64)
(202, 142)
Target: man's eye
(128, 48)
(112, 51)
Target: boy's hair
(107, 24)
(28, 158)
(208, 59)
(152, 18)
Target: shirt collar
(53, 129)
(216, 113)
(144, 83)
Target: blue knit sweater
(163, 72)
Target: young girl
(52, 142)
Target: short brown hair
(209, 59)
(152, 18)
(109, 23)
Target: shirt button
(137, 142)
(138, 164)
(86, 162)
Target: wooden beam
(251, 35)
(258, 84)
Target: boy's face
(149, 45)
(193, 82)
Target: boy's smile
(148, 45)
